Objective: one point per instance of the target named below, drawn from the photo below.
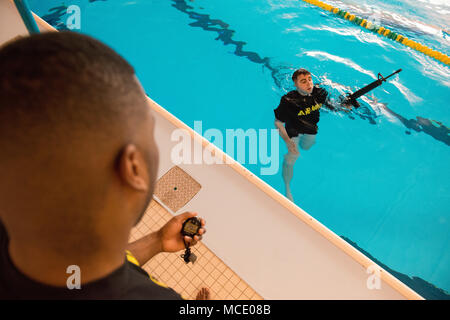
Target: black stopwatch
(191, 227)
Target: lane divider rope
(382, 31)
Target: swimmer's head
(303, 81)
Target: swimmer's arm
(282, 130)
(326, 101)
(327, 104)
(323, 97)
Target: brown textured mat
(187, 279)
(176, 188)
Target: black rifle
(351, 98)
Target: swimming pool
(377, 176)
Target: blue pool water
(378, 176)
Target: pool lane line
(225, 35)
(55, 17)
(383, 31)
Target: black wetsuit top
(301, 113)
(127, 282)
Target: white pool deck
(276, 247)
(281, 251)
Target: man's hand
(170, 235)
(166, 239)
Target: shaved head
(78, 160)
(57, 87)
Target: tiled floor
(187, 279)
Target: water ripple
(321, 55)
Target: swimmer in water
(296, 118)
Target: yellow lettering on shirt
(317, 106)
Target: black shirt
(127, 282)
(301, 113)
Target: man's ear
(133, 169)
